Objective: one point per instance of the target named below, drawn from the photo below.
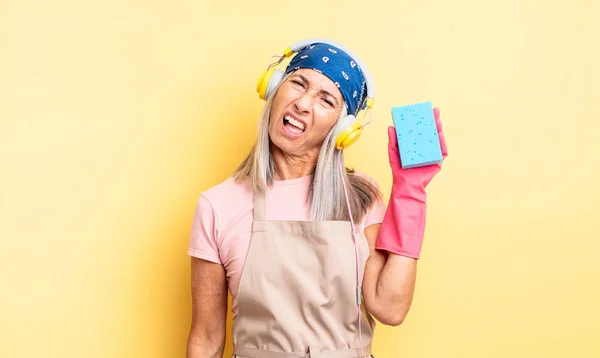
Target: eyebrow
(321, 91)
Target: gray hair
(326, 194)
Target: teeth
(294, 122)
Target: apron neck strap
(259, 206)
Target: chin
(282, 144)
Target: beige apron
(297, 293)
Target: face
(303, 112)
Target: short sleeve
(376, 213)
(204, 232)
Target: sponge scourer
(418, 140)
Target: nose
(303, 102)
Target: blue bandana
(339, 67)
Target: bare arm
(388, 283)
(209, 310)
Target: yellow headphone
(350, 128)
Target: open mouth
(293, 126)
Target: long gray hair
(326, 194)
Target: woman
(294, 237)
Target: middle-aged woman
(307, 248)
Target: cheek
(285, 94)
(280, 101)
(326, 123)
(275, 111)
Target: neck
(291, 167)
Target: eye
(296, 82)
(328, 102)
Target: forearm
(390, 275)
(204, 346)
(388, 286)
(209, 310)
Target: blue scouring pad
(418, 138)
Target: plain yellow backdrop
(115, 115)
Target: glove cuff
(403, 227)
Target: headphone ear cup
(263, 82)
(268, 81)
(274, 82)
(350, 130)
(260, 81)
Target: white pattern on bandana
(341, 69)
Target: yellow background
(115, 115)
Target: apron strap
(313, 352)
(259, 206)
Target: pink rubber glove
(403, 226)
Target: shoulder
(216, 210)
(228, 187)
(219, 207)
(227, 195)
(366, 178)
(376, 207)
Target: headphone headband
(299, 45)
